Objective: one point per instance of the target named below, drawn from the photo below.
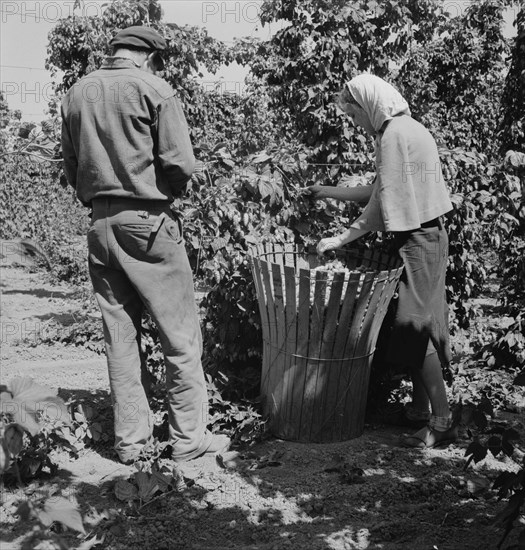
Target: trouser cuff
(440, 423)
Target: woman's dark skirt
(422, 312)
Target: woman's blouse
(409, 189)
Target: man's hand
(330, 243)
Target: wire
(20, 67)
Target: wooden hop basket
(319, 333)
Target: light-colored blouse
(409, 188)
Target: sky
(24, 26)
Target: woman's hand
(360, 193)
(316, 191)
(330, 243)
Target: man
(127, 152)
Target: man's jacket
(124, 135)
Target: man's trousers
(137, 259)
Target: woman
(407, 198)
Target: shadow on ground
(277, 495)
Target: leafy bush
(22, 404)
(34, 203)
(258, 151)
(32, 416)
(498, 439)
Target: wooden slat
(268, 249)
(265, 324)
(373, 312)
(311, 389)
(289, 254)
(349, 379)
(357, 396)
(292, 414)
(390, 285)
(338, 367)
(277, 253)
(361, 305)
(327, 377)
(278, 365)
(268, 382)
(332, 314)
(363, 342)
(303, 335)
(302, 262)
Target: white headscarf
(380, 100)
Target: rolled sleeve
(68, 154)
(371, 219)
(397, 186)
(175, 151)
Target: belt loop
(158, 223)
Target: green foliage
(477, 381)
(30, 416)
(256, 152)
(448, 68)
(22, 400)
(78, 44)
(512, 126)
(45, 511)
(454, 83)
(510, 346)
(454, 87)
(24, 408)
(86, 332)
(33, 201)
(326, 44)
(154, 480)
(88, 426)
(231, 206)
(35, 422)
(484, 216)
(235, 415)
(498, 439)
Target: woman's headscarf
(380, 100)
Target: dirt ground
(278, 495)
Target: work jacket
(124, 135)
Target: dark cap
(144, 38)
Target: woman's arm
(360, 193)
(331, 243)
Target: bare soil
(276, 495)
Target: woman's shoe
(427, 438)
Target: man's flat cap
(144, 38)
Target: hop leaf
(62, 510)
(25, 398)
(125, 491)
(148, 486)
(14, 439)
(4, 458)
